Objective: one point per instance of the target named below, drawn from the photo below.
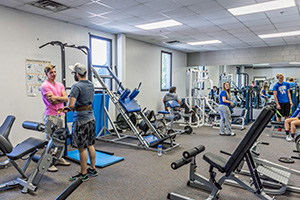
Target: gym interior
(148, 149)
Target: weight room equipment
(104, 158)
(242, 152)
(125, 104)
(171, 115)
(5, 131)
(195, 179)
(27, 150)
(274, 177)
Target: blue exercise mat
(102, 159)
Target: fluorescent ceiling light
(205, 42)
(161, 24)
(261, 64)
(294, 63)
(284, 34)
(262, 7)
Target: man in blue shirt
(282, 97)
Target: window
(166, 71)
(101, 56)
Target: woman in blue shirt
(292, 123)
(225, 111)
(264, 94)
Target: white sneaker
(289, 138)
(231, 134)
(52, 169)
(63, 162)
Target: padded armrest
(26, 147)
(216, 161)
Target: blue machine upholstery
(150, 139)
(172, 104)
(125, 94)
(134, 93)
(130, 105)
(163, 112)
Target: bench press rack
(126, 104)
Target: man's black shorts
(285, 109)
(83, 134)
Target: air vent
(49, 5)
(173, 42)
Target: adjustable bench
(28, 148)
(228, 166)
(4, 131)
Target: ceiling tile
(94, 8)
(218, 14)
(34, 10)
(223, 21)
(178, 13)
(138, 10)
(60, 17)
(282, 12)
(162, 5)
(190, 2)
(251, 17)
(11, 3)
(116, 15)
(76, 13)
(235, 3)
(154, 17)
(72, 3)
(285, 18)
(206, 7)
(118, 4)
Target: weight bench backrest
(247, 142)
(172, 104)
(6, 126)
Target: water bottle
(159, 150)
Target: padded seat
(215, 161)
(163, 112)
(277, 123)
(26, 147)
(130, 105)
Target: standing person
(171, 96)
(282, 97)
(54, 96)
(292, 123)
(292, 82)
(253, 84)
(264, 94)
(83, 130)
(225, 111)
(213, 93)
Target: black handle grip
(193, 151)
(226, 153)
(265, 143)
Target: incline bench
(227, 167)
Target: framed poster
(35, 76)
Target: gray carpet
(145, 176)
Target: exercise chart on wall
(35, 76)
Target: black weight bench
(5, 131)
(27, 149)
(242, 152)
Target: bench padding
(26, 147)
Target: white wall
(143, 65)
(271, 72)
(289, 53)
(21, 36)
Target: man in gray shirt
(171, 96)
(83, 130)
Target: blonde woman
(264, 94)
(225, 111)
